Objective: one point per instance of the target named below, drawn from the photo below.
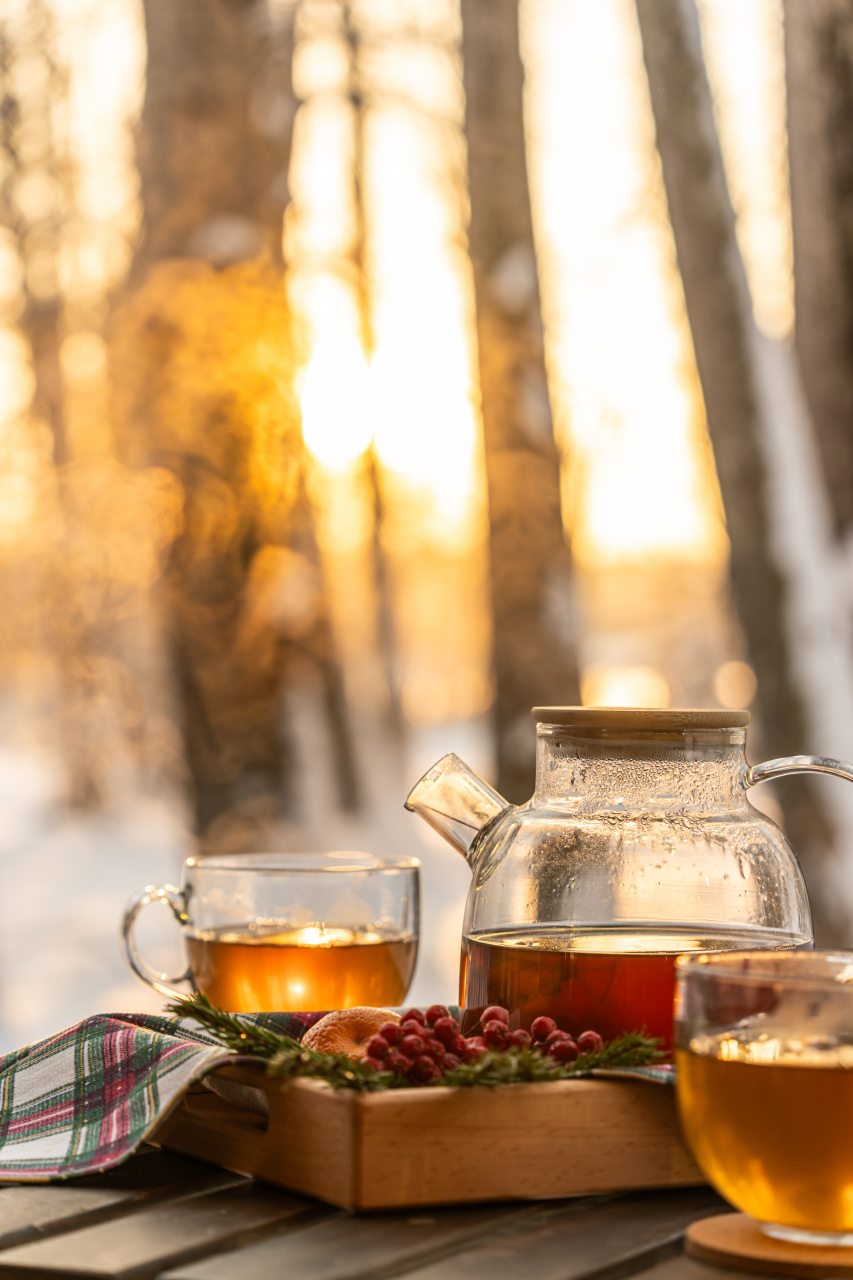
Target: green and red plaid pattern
(85, 1099)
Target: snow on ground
(65, 881)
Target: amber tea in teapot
(608, 981)
(639, 845)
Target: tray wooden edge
(513, 1142)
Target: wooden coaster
(733, 1240)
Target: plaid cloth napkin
(85, 1099)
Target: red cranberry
(446, 1030)
(452, 1061)
(413, 1015)
(541, 1028)
(435, 1049)
(518, 1039)
(495, 1033)
(555, 1037)
(377, 1047)
(495, 1013)
(475, 1049)
(374, 1064)
(423, 1070)
(436, 1011)
(458, 1044)
(391, 1032)
(411, 1046)
(590, 1042)
(397, 1062)
(563, 1051)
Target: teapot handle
(785, 765)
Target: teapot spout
(455, 802)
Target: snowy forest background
(371, 371)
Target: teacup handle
(786, 765)
(175, 900)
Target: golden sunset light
(373, 372)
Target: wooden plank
(574, 1241)
(684, 1268)
(32, 1210)
(145, 1242)
(348, 1246)
(552, 1242)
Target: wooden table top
(162, 1216)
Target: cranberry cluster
(559, 1045)
(421, 1047)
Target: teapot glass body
(639, 844)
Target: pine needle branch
(287, 1059)
(230, 1030)
(526, 1066)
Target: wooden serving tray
(407, 1147)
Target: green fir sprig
(287, 1059)
(526, 1066)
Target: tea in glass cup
(764, 1060)
(290, 932)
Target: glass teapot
(639, 844)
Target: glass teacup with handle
(764, 1073)
(277, 932)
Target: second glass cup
(290, 932)
(764, 1061)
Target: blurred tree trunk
(30, 148)
(382, 586)
(724, 340)
(533, 648)
(216, 129)
(819, 68)
(42, 323)
(213, 153)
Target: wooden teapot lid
(644, 719)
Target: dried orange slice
(347, 1031)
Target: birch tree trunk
(216, 128)
(382, 584)
(533, 647)
(726, 348)
(819, 71)
(31, 148)
(214, 149)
